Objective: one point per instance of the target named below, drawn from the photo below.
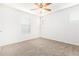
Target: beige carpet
(39, 47)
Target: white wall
(62, 25)
(11, 22)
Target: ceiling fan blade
(47, 9)
(48, 3)
(38, 5)
(45, 6)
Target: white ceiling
(28, 7)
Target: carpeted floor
(39, 47)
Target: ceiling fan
(43, 6)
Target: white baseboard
(36, 36)
(63, 41)
(16, 41)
